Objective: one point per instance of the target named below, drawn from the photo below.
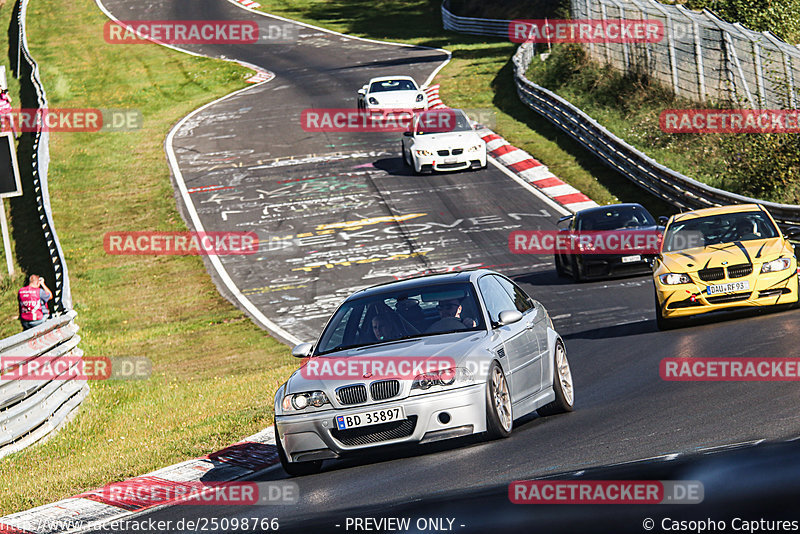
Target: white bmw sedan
(392, 94)
(418, 361)
(443, 140)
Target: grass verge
(214, 371)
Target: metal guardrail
(30, 409)
(663, 182)
(473, 26)
(62, 297)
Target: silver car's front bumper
(313, 436)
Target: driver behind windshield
(450, 317)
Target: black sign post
(10, 186)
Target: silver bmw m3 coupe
(421, 360)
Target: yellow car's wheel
(662, 322)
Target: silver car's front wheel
(499, 417)
(562, 384)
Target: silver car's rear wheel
(499, 417)
(562, 384)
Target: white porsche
(443, 140)
(392, 94)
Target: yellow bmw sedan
(718, 258)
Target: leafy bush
(781, 17)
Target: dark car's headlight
(296, 402)
(372, 100)
(674, 279)
(454, 376)
(781, 264)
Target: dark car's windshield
(403, 314)
(715, 229)
(615, 219)
(392, 85)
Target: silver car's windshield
(403, 314)
(715, 229)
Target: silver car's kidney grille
(355, 394)
(385, 389)
(376, 433)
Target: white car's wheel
(562, 385)
(499, 418)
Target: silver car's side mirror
(509, 317)
(303, 350)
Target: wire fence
(701, 57)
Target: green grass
(479, 76)
(214, 370)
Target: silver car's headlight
(673, 279)
(454, 376)
(296, 402)
(424, 153)
(781, 264)
(474, 148)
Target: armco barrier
(32, 409)
(473, 26)
(28, 74)
(665, 183)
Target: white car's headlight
(474, 148)
(424, 153)
(454, 376)
(372, 100)
(300, 401)
(420, 97)
(673, 279)
(781, 264)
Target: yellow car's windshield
(715, 229)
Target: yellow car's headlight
(674, 279)
(781, 264)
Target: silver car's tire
(499, 418)
(562, 385)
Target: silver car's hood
(456, 346)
